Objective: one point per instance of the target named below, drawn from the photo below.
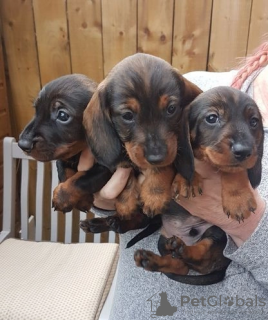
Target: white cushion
(47, 281)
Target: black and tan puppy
(186, 242)
(56, 133)
(224, 128)
(133, 120)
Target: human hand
(209, 206)
(105, 198)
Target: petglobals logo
(160, 306)
(214, 301)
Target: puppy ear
(255, 173)
(184, 162)
(100, 133)
(190, 90)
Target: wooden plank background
(45, 39)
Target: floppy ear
(190, 90)
(184, 162)
(100, 133)
(254, 174)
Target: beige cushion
(47, 281)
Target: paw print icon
(229, 301)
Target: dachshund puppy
(56, 133)
(133, 121)
(186, 242)
(224, 127)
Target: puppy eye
(212, 118)
(128, 116)
(254, 122)
(171, 109)
(63, 116)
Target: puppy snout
(156, 154)
(155, 158)
(26, 145)
(241, 152)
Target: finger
(116, 184)
(141, 178)
(86, 160)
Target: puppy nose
(241, 152)
(25, 145)
(155, 158)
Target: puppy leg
(206, 255)
(65, 171)
(115, 223)
(153, 262)
(128, 200)
(67, 196)
(237, 198)
(77, 191)
(181, 187)
(156, 190)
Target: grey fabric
(243, 294)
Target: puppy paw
(146, 260)
(95, 225)
(181, 187)
(167, 264)
(154, 204)
(175, 246)
(238, 205)
(152, 210)
(126, 208)
(66, 197)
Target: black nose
(25, 145)
(155, 158)
(241, 152)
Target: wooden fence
(44, 39)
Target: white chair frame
(32, 226)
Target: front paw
(126, 207)
(175, 246)
(66, 198)
(153, 205)
(238, 205)
(181, 187)
(95, 225)
(146, 260)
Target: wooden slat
(21, 54)
(54, 214)
(97, 237)
(84, 19)
(39, 201)
(9, 193)
(191, 34)
(68, 227)
(24, 204)
(52, 38)
(155, 19)
(119, 31)
(82, 234)
(230, 25)
(112, 236)
(258, 24)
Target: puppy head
(56, 131)
(136, 110)
(226, 130)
